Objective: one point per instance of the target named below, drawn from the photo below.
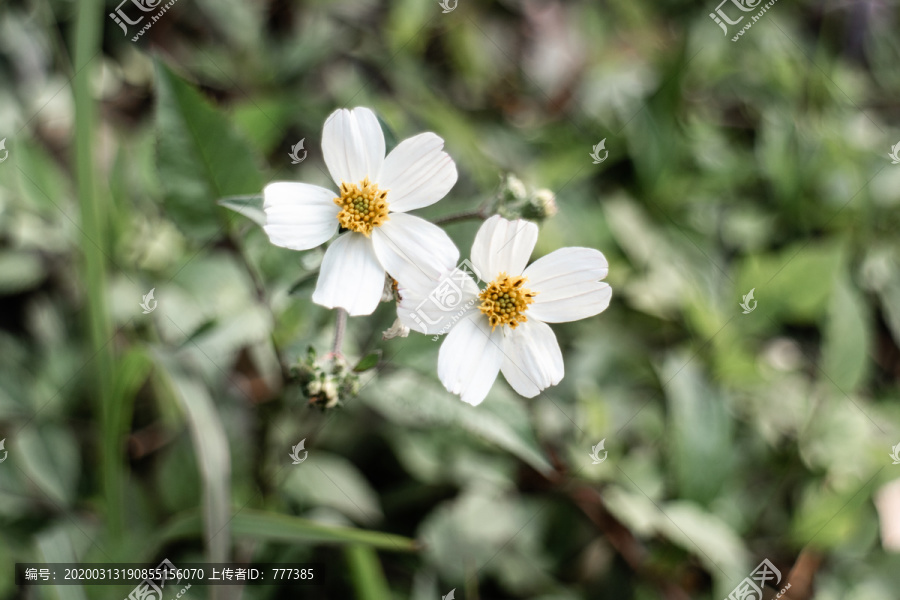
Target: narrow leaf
(366, 573)
(272, 527)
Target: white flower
(375, 193)
(503, 328)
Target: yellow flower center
(363, 206)
(504, 301)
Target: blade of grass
(272, 527)
(366, 574)
(87, 46)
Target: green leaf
(411, 400)
(366, 573)
(795, 283)
(50, 459)
(707, 537)
(847, 338)
(41, 182)
(211, 447)
(19, 271)
(713, 541)
(701, 429)
(828, 519)
(272, 527)
(468, 530)
(200, 156)
(330, 480)
(249, 206)
(369, 361)
(55, 546)
(304, 283)
(130, 374)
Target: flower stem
(340, 324)
(463, 216)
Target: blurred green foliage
(732, 437)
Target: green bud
(326, 382)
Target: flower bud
(515, 201)
(513, 189)
(326, 382)
(541, 205)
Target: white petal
(567, 285)
(350, 276)
(412, 250)
(299, 216)
(503, 246)
(398, 329)
(353, 145)
(470, 358)
(532, 360)
(417, 172)
(435, 307)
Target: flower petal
(503, 246)
(350, 276)
(533, 360)
(353, 145)
(470, 358)
(567, 285)
(417, 172)
(435, 307)
(299, 216)
(412, 250)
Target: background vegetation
(732, 437)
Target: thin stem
(463, 216)
(340, 325)
(262, 296)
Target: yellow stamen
(363, 206)
(504, 301)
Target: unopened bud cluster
(515, 201)
(326, 382)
